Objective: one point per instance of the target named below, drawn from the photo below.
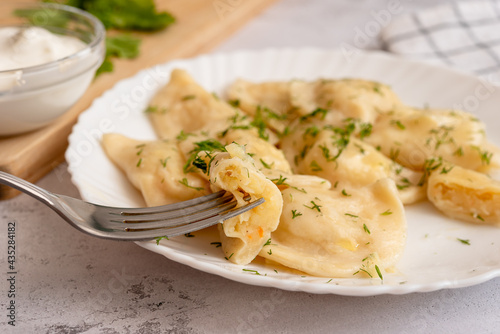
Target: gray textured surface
(72, 283)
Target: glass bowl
(34, 96)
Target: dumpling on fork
(243, 237)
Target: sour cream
(22, 47)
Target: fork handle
(26, 187)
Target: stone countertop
(69, 282)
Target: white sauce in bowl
(22, 47)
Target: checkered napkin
(464, 35)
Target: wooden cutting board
(200, 26)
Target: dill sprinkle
(160, 238)
(295, 214)
(184, 182)
(398, 124)
(366, 229)
(252, 271)
(315, 167)
(280, 181)
(266, 165)
(477, 216)
(345, 193)
(379, 273)
(164, 162)
(188, 97)
(314, 206)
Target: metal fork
(133, 224)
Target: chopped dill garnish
(376, 89)
(266, 165)
(430, 165)
(404, 183)
(235, 103)
(379, 273)
(484, 155)
(398, 124)
(183, 136)
(280, 181)
(164, 162)
(311, 131)
(296, 214)
(302, 190)
(155, 109)
(188, 97)
(208, 146)
(366, 229)
(386, 212)
(318, 111)
(314, 206)
(365, 130)
(393, 154)
(315, 167)
(446, 170)
(459, 152)
(255, 272)
(151, 109)
(184, 182)
(464, 241)
(259, 122)
(441, 136)
(158, 239)
(477, 216)
(363, 270)
(345, 193)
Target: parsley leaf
(126, 14)
(121, 46)
(121, 15)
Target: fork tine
(169, 207)
(173, 213)
(147, 234)
(210, 205)
(171, 219)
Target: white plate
(434, 258)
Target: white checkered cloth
(464, 35)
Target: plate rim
(269, 281)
